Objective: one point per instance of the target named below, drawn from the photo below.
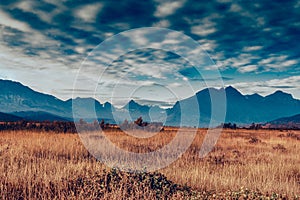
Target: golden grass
(57, 166)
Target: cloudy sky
(252, 45)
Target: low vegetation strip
(115, 184)
(44, 165)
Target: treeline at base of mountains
(81, 125)
(139, 124)
(258, 126)
(47, 126)
(56, 126)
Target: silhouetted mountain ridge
(286, 120)
(39, 116)
(5, 117)
(242, 109)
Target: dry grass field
(245, 164)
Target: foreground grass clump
(116, 184)
(128, 185)
(112, 184)
(242, 193)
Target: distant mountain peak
(13, 85)
(255, 95)
(232, 91)
(107, 104)
(206, 91)
(280, 94)
(10, 81)
(132, 104)
(230, 88)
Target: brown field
(245, 164)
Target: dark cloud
(152, 102)
(258, 36)
(283, 87)
(132, 12)
(227, 78)
(32, 19)
(232, 25)
(238, 24)
(191, 73)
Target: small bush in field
(254, 140)
(130, 182)
(280, 147)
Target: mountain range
(295, 119)
(4, 117)
(19, 101)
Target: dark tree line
(95, 126)
(229, 125)
(253, 126)
(56, 126)
(258, 126)
(81, 125)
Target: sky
(85, 47)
